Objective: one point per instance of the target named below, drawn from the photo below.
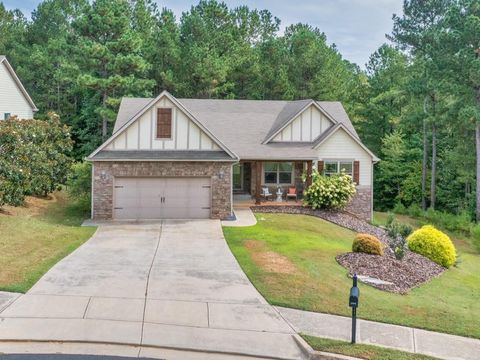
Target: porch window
(335, 167)
(276, 173)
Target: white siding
(12, 99)
(306, 127)
(141, 134)
(340, 146)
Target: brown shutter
(356, 172)
(320, 166)
(164, 123)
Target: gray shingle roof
(242, 125)
(161, 155)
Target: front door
(238, 177)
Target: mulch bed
(413, 270)
(406, 274)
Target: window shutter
(356, 172)
(320, 166)
(164, 123)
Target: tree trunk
(477, 190)
(433, 186)
(104, 119)
(425, 158)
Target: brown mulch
(405, 274)
(413, 270)
(269, 260)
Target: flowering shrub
(433, 244)
(367, 244)
(330, 192)
(33, 157)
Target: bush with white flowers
(329, 192)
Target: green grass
(35, 237)
(362, 351)
(318, 283)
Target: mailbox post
(353, 303)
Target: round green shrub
(433, 244)
(367, 244)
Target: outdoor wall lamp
(103, 175)
(221, 175)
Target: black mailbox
(354, 295)
(353, 303)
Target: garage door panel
(140, 198)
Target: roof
(161, 155)
(243, 125)
(9, 67)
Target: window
(278, 172)
(164, 123)
(6, 116)
(335, 167)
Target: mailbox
(353, 303)
(354, 295)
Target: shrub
(414, 210)
(398, 233)
(399, 208)
(33, 158)
(330, 192)
(433, 244)
(79, 183)
(367, 244)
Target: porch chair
(292, 193)
(266, 193)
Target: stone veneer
(103, 188)
(361, 204)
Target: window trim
(338, 161)
(171, 123)
(278, 183)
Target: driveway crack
(148, 280)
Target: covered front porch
(265, 182)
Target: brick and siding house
(185, 158)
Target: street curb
(318, 355)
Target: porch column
(258, 180)
(309, 173)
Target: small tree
(330, 192)
(79, 183)
(33, 158)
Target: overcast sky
(357, 27)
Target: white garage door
(161, 198)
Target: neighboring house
(184, 158)
(14, 99)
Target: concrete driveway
(173, 284)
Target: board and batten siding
(12, 99)
(306, 127)
(141, 134)
(340, 146)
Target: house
(184, 158)
(14, 99)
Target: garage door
(161, 198)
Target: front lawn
(362, 351)
(35, 237)
(291, 261)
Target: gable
(305, 127)
(340, 144)
(12, 99)
(141, 133)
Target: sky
(356, 27)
